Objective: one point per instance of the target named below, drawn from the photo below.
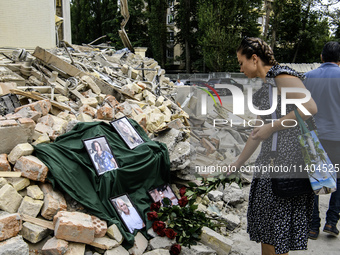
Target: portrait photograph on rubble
(127, 132)
(127, 212)
(164, 194)
(101, 155)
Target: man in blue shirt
(324, 85)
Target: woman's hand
(262, 133)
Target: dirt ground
(325, 244)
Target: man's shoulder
(324, 71)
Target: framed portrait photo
(127, 132)
(101, 155)
(127, 212)
(161, 192)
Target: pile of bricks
(58, 89)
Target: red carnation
(175, 249)
(182, 191)
(155, 206)
(170, 233)
(158, 226)
(152, 215)
(183, 201)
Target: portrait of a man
(128, 213)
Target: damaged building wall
(26, 24)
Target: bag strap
(274, 116)
(302, 124)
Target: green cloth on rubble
(141, 169)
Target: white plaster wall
(67, 21)
(27, 24)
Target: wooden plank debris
(37, 221)
(9, 174)
(37, 96)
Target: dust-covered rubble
(44, 94)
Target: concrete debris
(54, 93)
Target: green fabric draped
(141, 169)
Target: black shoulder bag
(286, 184)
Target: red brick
(100, 226)
(111, 100)
(26, 121)
(4, 164)
(13, 116)
(8, 123)
(10, 224)
(88, 110)
(74, 226)
(105, 113)
(54, 201)
(32, 168)
(42, 106)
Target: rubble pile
(59, 88)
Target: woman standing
(279, 224)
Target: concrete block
(75, 249)
(120, 250)
(114, 233)
(217, 242)
(55, 246)
(27, 113)
(32, 168)
(88, 110)
(104, 243)
(42, 106)
(59, 125)
(157, 252)
(215, 195)
(3, 181)
(10, 138)
(35, 192)
(161, 242)
(140, 245)
(159, 101)
(4, 164)
(14, 246)
(46, 120)
(42, 128)
(199, 249)
(100, 226)
(10, 199)
(91, 101)
(74, 226)
(30, 206)
(42, 138)
(19, 183)
(10, 225)
(84, 118)
(233, 221)
(54, 201)
(22, 149)
(34, 233)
